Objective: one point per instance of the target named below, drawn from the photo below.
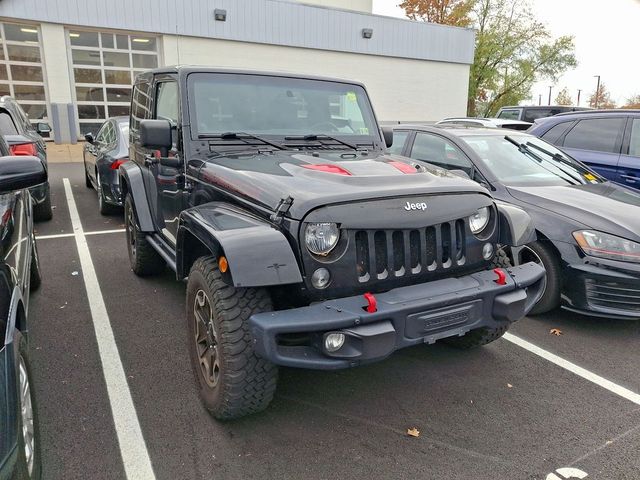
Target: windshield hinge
(281, 210)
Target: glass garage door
(104, 67)
(21, 70)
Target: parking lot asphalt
(498, 412)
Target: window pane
(86, 75)
(509, 114)
(119, 95)
(83, 39)
(118, 110)
(4, 89)
(118, 77)
(29, 92)
(3, 72)
(23, 53)
(1, 52)
(122, 41)
(21, 33)
(107, 40)
(398, 141)
(90, 111)
(554, 133)
(599, 134)
(634, 145)
(26, 73)
(115, 59)
(143, 43)
(7, 127)
(167, 101)
(534, 114)
(440, 152)
(35, 112)
(144, 61)
(85, 57)
(89, 127)
(89, 94)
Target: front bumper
(405, 316)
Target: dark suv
(24, 139)
(534, 112)
(303, 243)
(606, 140)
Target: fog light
(487, 251)
(334, 342)
(321, 278)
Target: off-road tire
(22, 470)
(246, 383)
(43, 211)
(35, 276)
(143, 258)
(477, 337)
(550, 299)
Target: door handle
(630, 178)
(150, 160)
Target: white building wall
(400, 89)
(358, 5)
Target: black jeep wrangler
(302, 242)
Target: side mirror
(89, 138)
(156, 134)
(42, 127)
(21, 172)
(387, 134)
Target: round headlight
(479, 220)
(321, 238)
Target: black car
(102, 156)
(19, 274)
(588, 228)
(530, 113)
(303, 243)
(24, 139)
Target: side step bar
(163, 249)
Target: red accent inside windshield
(328, 168)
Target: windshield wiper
(240, 136)
(321, 137)
(529, 153)
(562, 159)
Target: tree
(447, 12)
(563, 97)
(513, 50)
(633, 102)
(603, 98)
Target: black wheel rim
(206, 339)
(99, 190)
(131, 233)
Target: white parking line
(65, 235)
(133, 449)
(573, 368)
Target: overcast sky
(606, 39)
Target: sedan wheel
(26, 411)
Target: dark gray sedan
(102, 156)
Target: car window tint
(533, 114)
(101, 133)
(399, 139)
(7, 127)
(439, 151)
(634, 143)
(512, 114)
(554, 134)
(167, 101)
(139, 106)
(599, 134)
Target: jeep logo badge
(415, 206)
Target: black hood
(605, 207)
(267, 178)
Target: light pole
(540, 99)
(578, 102)
(550, 87)
(597, 91)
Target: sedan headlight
(605, 245)
(321, 238)
(479, 220)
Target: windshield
(279, 106)
(537, 163)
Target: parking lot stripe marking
(133, 449)
(65, 235)
(573, 368)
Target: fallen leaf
(509, 385)
(555, 331)
(413, 432)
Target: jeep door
(629, 164)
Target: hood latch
(282, 209)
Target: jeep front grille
(381, 254)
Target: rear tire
(43, 211)
(87, 180)
(477, 338)
(35, 276)
(143, 258)
(104, 207)
(233, 381)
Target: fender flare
(132, 182)
(258, 254)
(516, 226)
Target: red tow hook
(502, 277)
(372, 303)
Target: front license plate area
(423, 323)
